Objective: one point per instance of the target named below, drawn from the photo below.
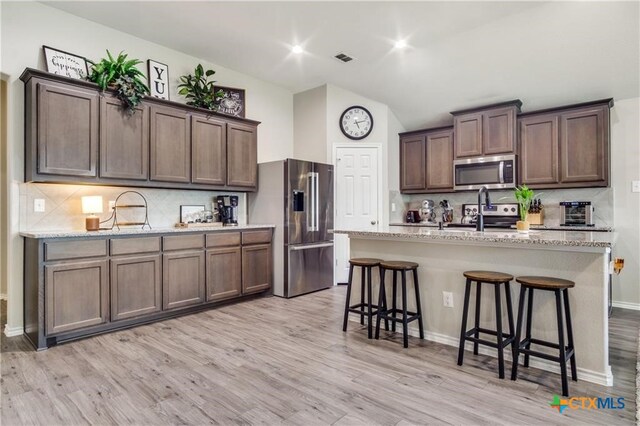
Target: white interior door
(357, 198)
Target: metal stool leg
(567, 313)
(516, 343)
(381, 295)
(382, 304)
(346, 304)
(499, 332)
(405, 324)
(528, 332)
(393, 300)
(507, 293)
(418, 304)
(362, 290)
(463, 327)
(563, 359)
(369, 308)
(477, 314)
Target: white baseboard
(626, 305)
(542, 364)
(13, 331)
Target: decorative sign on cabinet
(77, 134)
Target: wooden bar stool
(364, 308)
(497, 279)
(391, 314)
(560, 289)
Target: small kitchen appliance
(576, 213)
(447, 211)
(428, 211)
(228, 209)
(497, 172)
(413, 216)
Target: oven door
(496, 172)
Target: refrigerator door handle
(310, 246)
(311, 211)
(316, 194)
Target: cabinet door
(182, 279)
(539, 150)
(76, 294)
(440, 160)
(468, 134)
(209, 150)
(67, 130)
(412, 162)
(242, 155)
(224, 273)
(584, 151)
(170, 145)
(499, 131)
(135, 286)
(256, 268)
(124, 140)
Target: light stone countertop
(135, 231)
(556, 239)
(534, 227)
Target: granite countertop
(535, 227)
(535, 237)
(135, 231)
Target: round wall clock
(356, 122)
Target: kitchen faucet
(487, 201)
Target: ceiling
(459, 54)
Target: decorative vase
(522, 226)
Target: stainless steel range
(499, 215)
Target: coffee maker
(228, 209)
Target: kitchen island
(444, 255)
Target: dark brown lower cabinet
(256, 268)
(224, 273)
(182, 279)
(77, 295)
(135, 286)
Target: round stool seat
(545, 283)
(488, 276)
(365, 261)
(398, 265)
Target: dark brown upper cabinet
(566, 147)
(242, 155)
(76, 133)
(124, 140)
(487, 130)
(67, 130)
(412, 162)
(208, 150)
(170, 145)
(426, 161)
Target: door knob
(373, 222)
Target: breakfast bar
(443, 256)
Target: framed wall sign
(158, 79)
(64, 63)
(232, 101)
(191, 214)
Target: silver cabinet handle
(310, 246)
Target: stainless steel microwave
(497, 172)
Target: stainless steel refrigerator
(297, 196)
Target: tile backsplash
(63, 209)
(601, 198)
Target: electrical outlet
(447, 299)
(38, 205)
(112, 204)
(393, 207)
(635, 186)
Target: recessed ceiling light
(400, 44)
(296, 49)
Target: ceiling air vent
(343, 57)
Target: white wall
(25, 27)
(310, 125)
(625, 167)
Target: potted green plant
(198, 89)
(524, 197)
(123, 76)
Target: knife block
(535, 218)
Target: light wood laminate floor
(277, 361)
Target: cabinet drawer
(59, 250)
(135, 245)
(183, 242)
(223, 239)
(256, 237)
